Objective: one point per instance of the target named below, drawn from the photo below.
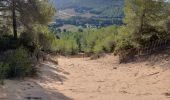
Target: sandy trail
(84, 79)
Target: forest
(27, 37)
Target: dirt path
(84, 79)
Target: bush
(107, 45)
(47, 41)
(100, 40)
(8, 42)
(28, 38)
(41, 37)
(17, 63)
(4, 69)
(125, 46)
(168, 29)
(66, 47)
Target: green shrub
(125, 46)
(19, 63)
(8, 42)
(99, 40)
(47, 41)
(123, 40)
(107, 44)
(99, 48)
(66, 47)
(4, 69)
(167, 26)
(29, 38)
(40, 37)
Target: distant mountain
(100, 7)
(60, 4)
(97, 13)
(87, 3)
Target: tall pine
(25, 13)
(145, 18)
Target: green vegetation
(17, 63)
(20, 49)
(145, 21)
(87, 41)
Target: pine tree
(26, 13)
(142, 17)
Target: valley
(96, 14)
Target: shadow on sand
(36, 89)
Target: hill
(93, 12)
(87, 3)
(100, 7)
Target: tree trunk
(14, 19)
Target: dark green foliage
(25, 14)
(4, 69)
(64, 30)
(168, 25)
(28, 38)
(8, 42)
(80, 30)
(145, 21)
(41, 38)
(19, 54)
(18, 62)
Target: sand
(85, 79)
